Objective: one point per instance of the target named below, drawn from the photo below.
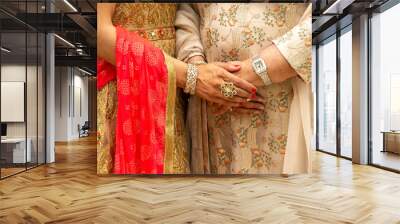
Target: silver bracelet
(191, 79)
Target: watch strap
(263, 74)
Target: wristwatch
(260, 68)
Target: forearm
(180, 70)
(106, 32)
(278, 68)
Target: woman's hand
(255, 105)
(247, 73)
(211, 76)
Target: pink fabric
(142, 86)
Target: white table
(18, 149)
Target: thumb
(230, 66)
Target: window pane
(15, 151)
(385, 89)
(346, 94)
(327, 96)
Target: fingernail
(248, 100)
(254, 90)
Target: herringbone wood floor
(69, 191)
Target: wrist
(191, 79)
(252, 76)
(260, 69)
(180, 70)
(248, 68)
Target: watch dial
(259, 66)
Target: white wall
(62, 81)
(70, 83)
(33, 127)
(13, 73)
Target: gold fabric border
(106, 121)
(170, 118)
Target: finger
(230, 67)
(257, 98)
(252, 105)
(241, 83)
(224, 102)
(243, 93)
(235, 63)
(235, 99)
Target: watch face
(259, 65)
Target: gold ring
(228, 89)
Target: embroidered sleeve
(295, 46)
(188, 42)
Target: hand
(210, 78)
(256, 105)
(247, 73)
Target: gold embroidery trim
(162, 33)
(170, 115)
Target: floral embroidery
(277, 144)
(278, 102)
(223, 159)
(232, 55)
(255, 120)
(276, 15)
(222, 119)
(228, 18)
(242, 133)
(260, 158)
(255, 35)
(272, 101)
(283, 104)
(212, 37)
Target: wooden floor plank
(69, 191)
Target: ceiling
(72, 20)
(75, 21)
(332, 15)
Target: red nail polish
(254, 90)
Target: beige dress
(276, 141)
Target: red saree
(142, 88)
